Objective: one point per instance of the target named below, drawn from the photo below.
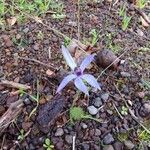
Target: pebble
(125, 74)
(97, 102)
(26, 30)
(129, 144)
(105, 97)
(36, 46)
(85, 146)
(92, 110)
(97, 132)
(108, 139)
(108, 147)
(118, 146)
(84, 126)
(2, 110)
(147, 107)
(27, 101)
(68, 139)
(59, 132)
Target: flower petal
(71, 63)
(86, 62)
(65, 81)
(91, 80)
(81, 86)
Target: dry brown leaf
(144, 23)
(11, 21)
(37, 19)
(49, 72)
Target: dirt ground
(30, 55)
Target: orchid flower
(78, 76)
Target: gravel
(92, 110)
(68, 139)
(125, 74)
(105, 97)
(59, 132)
(108, 147)
(97, 102)
(108, 139)
(129, 144)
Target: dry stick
(117, 111)
(73, 142)
(3, 142)
(14, 84)
(36, 61)
(131, 112)
(78, 17)
(11, 114)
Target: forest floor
(33, 116)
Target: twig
(73, 142)
(131, 112)
(14, 84)
(4, 137)
(37, 61)
(12, 112)
(78, 17)
(117, 111)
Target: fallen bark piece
(11, 114)
(49, 112)
(106, 58)
(14, 85)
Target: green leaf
(44, 145)
(47, 141)
(76, 113)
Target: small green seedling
(40, 35)
(125, 22)
(122, 11)
(124, 110)
(48, 144)
(67, 41)
(77, 113)
(141, 3)
(95, 37)
(122, 136)
(21, 136)
(58, 16)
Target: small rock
(68, 139)
(110, 112)
(84, 126)
(130, 102)
(140, 32)
(92, 110)
(108, 139)
(59, 132)
(108, 147)
(27, 101)
(26, 126)
(85, 146)
(125, 74)
(36, 46)
(129, 144)
(98, 102)
(147, 107)
(140, 94)
(2, 110)
(105, 97)
(26, 30)
(118, 146)
(97, 132)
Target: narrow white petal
(81, 86)
(71, 63)
(91, 80)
